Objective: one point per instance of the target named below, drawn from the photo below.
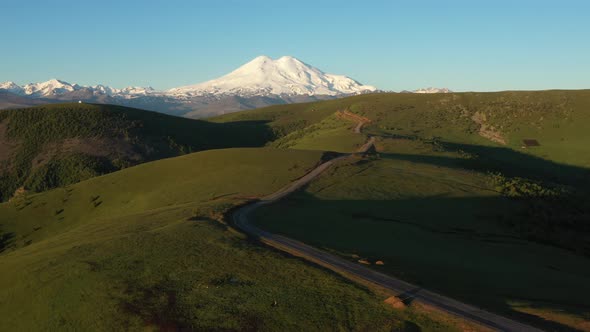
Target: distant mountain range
(433, 90)
(260, 82)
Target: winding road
(403, 290)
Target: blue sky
(394, 45)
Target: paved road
(402, 289)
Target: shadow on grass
(200, 135)
(207, 134)
(504, 160)
(562, 220)
(451, 245)
(5, 240)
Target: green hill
(54, 145)
(145, 248)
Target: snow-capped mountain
(55, 88)
(432, 90)
(136, 90)
(260, 82)
(284, 76)
(12, 88)
(262, 76)
(49, 88)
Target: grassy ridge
(285, 119)
(330, 134)
(55, 145)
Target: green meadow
(146, 248)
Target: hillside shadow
(451, 245)
(250, 133)
(5, 240)
(504, 160)
(199, 133)
(205, 135)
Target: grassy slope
(430, 210)
(330, 134)
(286, 119)
(138, 248)
(73, 142)
(557, 119)
(439, 227)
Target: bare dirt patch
(361, 120)
(486, 130)
(394, 302)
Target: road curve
(402, 289)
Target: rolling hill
(55, 145)
(146, 248)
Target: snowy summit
(284, 76)
(55, 87)
(432, 90)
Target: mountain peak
(288, 58)
(56, 81)
(286, 75)
(11, 87)
(261, 58)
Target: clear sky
(394, 45)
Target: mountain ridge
(261, 76)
